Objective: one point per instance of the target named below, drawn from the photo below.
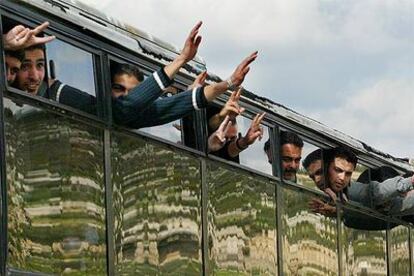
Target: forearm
(165, 110)
(385, 191)
(172, 68)
(212, 91)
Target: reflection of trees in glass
(364, 252)
(309, 239)
(241, 222)
(157, 205)
(55, 193)
(400, 254)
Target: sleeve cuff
(162, 79)
(198, 98)
(54, 90)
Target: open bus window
(171, 131)
(254, 156)
(251, 156)
(310, 170)
(148, 116)
(56, 70)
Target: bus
(83, 195)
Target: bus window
(170, 131)
(71, 76)
(57, 71)
(125, 78)
(290, 155)
(251, 156)
(254, 156)
(310, 172)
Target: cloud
(380, 115)
(315, 56)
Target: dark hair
(40, 46)
(378, 174)
(128, 69)
(15, 54)
(312, 157)
(341, 152)
(288, 137)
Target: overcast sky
(348, 64)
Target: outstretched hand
(232, 107)
(191, 43)
(21, 37)
(255, 130)
(242, 69)
(217, 140)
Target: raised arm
(235, 80)
(189, 51)
(21, 37)
(231, 109)
(255, 131)
(387, 190)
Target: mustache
(290, 170)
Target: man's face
(32, 71)
(12, 68)
(339, 174)
(122, 84)
(315, 172)
(291, 156)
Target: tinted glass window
(309, 237)
(364, 244)
(241, 223)
(157, 209)
(400, 251)
(55, 193)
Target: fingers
(233, 96)
(249, 59)
(224, 124)
(229, 123)
(237, 94)
(258, 119)
(46, 39)
(197, 41)
(331, 194)
(201, 78)
(22, 32)
(232, 109)
(194, 31)
(40, 28)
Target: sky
(348, 64)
